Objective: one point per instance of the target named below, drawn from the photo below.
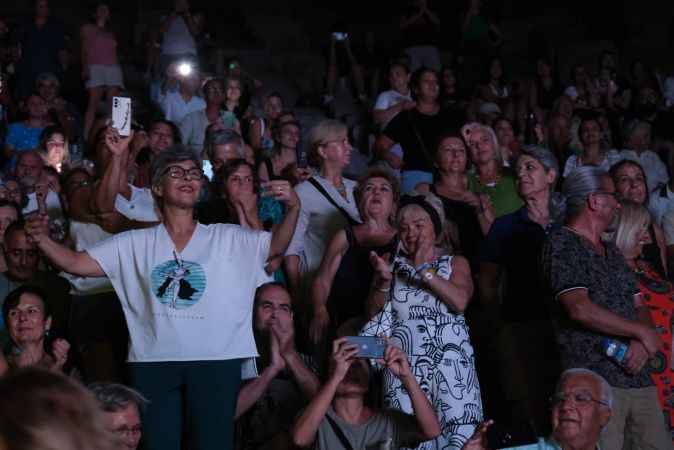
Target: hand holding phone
(121, 115)
(371, 347)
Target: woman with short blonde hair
(656, 294)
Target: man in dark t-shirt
(596, 298)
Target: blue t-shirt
(22, 137)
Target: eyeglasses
(128, 430)
(178, 172)
(344, 141)
(579, 398)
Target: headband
(421, 202)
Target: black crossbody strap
(424, 150)
(340, 434)
(332, 201)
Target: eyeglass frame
(185, 173)
(560, 397)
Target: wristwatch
(428, 276)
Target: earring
(46, 332)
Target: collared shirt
(569, 262)
(514, 242)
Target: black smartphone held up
(500, 436)
(371, 347)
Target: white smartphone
(121, 115)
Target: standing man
(595, 298)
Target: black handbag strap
(332, 201)
(340, 434)
(427, 156)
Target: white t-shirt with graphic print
(191, 306)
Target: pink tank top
(101, 47)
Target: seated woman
(490, 177)
(26, 315)
(283, 162)
(631, 235)
(53, 147)
(471, 213)
(631, 184)
(260, 135)
(497, 90)
(508, 143)
(638, 147)
(418, 303)
(519, 324)
(343, 280)
(544, 90)
(236, 106)
(594, 151)
(25, 135)
(236, 199)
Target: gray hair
(223, 137)
(115, 397)
(174, 154)
(543, 156)
(583, 181)
(549, 162)
(605, 392)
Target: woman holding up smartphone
(100, 66)
(418, 302)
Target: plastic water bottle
(615, 350)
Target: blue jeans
(205, 390)
(410, 179)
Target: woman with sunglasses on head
(328, 204)
(656, 293)
(187, 339)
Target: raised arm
(76, 263)
(320, 287)
(283, 192)
(252, 391)
(105, 192)
(396, 362)
(306, 427)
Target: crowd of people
(217, 274)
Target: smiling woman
(418, 302)
(170, 279)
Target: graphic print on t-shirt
(178, 284)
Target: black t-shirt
(401, 129)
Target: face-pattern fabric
(439, 351)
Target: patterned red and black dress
(658, 295)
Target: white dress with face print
(439, 350)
